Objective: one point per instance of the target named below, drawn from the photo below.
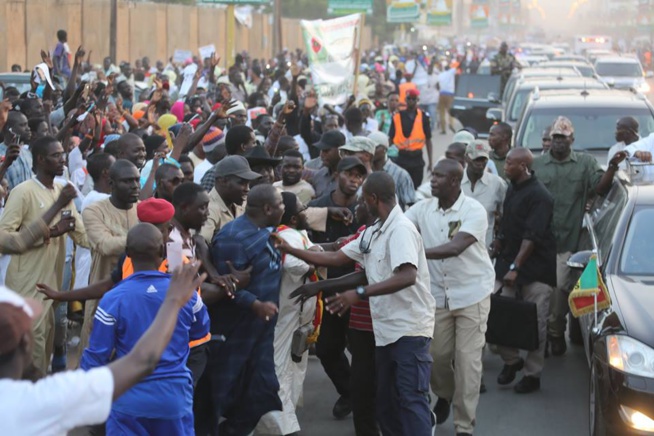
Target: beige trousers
(43, 331)
(538, 293)
(565, 281)
(459, 338)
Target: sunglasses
(364, 246)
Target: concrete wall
(144, 29)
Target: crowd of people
(287, 226)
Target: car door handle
(459, 108)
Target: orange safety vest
(403, 88)
(128, 270)
(417, 139)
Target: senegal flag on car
(582, 297)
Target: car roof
(564, 71)
(15, 76)
(644, 194)
(592, 97)
(617, 60)
(560, 63)
(563, 82)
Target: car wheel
(596, 420)
(575, 331)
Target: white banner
(332, 45)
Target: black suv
(593, 113)
(619, 341)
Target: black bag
(512, 322)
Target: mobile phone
(174, 255)
(66, 213)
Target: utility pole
(113, 30)
(231, 35)
(277, 27)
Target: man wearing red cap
(411, 133)
(36, 408)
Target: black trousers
(362, 382)
(414, 164)
(330, 349)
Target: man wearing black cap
(261, 163)
(410, 132)
(324, 181)
(233, 177)
(350, 173)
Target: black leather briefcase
(512, 322)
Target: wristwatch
(513, 267)
(361, 292)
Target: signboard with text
(402, 11)
(479, 15)
(345, 7)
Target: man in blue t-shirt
(163, 402)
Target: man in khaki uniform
(107, 223)
(45, 262)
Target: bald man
(132, 148)
(626, 133)
(526, 261)
(163, 402)
(453, 227)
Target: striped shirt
(406, 192)
(360, 318)
(21, 169)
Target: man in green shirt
(572, 179)
(499, 139)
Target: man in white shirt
(446, 84)
(402, 308)
(641, 151)
(429, 94)
(453, 227)
(213, 145)
(486, 188)
(55, 405)
(626, 133)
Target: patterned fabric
(21, 169)
(406, 193)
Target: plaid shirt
(21, 169)
(406, 193)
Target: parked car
(593, 113)
(474, 95)
(570, 57)
(619, 340)
(584, 68)
(536, 72)
(20, 81)
(622, 73)
(522, 90)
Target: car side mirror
(493, 97)
(579, 260)
(494, 114)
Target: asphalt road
(559, 408)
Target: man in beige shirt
(292, 169)
(44, 262)
(233, 177)
(107, 223)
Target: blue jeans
(403, 372)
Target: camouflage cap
(477, 149)
(562, 126)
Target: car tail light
(636, 419)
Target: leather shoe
(342, 408)
(508, 372)
(558, 345)
(527, 385)
(442, 410)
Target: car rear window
(594, 126)
(619, 69)
(477, 86)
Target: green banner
(346, 7)
(439, 13)
(402, 11)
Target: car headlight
(631, 356)
(636, 419)
(643, 87)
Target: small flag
(582, 297)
